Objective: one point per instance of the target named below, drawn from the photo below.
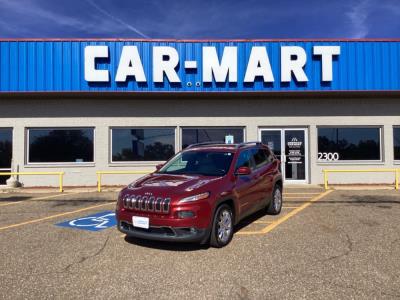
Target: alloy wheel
(224, 226)
(277, 199)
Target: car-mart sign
(198, 66)
(166, 60)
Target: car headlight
(195, 197)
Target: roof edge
(197, 40)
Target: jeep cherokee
(201, 193)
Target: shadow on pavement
(15, 198)
(177, 246)
(250, 219)
(168, 246)
(77, 202)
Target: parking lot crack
(349, 249)
(85, 258)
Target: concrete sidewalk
(86, 189)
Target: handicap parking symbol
(96, 222)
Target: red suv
(201, 193)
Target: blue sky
(189, 19)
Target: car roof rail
(241, 145)
(206, 144)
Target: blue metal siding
(59, 66)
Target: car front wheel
(222, 229)
(275, 206)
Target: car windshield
(208, 163)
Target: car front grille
(146, 203)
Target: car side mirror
(159, 166)
(243, 171)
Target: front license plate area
(141, 222)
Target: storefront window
(5, 148)
(142, 144)
(5, 153)
(396, 142)
(215, 134)
(52, 145)
(349, 143)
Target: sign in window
(210, 134)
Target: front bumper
(165, 233)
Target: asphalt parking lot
(330, 245)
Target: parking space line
(248, 232)
(285, 217)
(261, 222)
(54, 216)
(290, 206)
(300, 193)
(298, 197)
(33, 199)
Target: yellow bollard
(325, 179)
(61, 175)
(100, 173)
(397, 179)
(99, 182)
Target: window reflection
(5, 148)
(396, 142)
(142, 144)
(350, 143)
(61, 145)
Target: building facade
(82, 106)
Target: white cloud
(116, 19)
(358, 17)
(31, 13)
(28, 10)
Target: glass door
(5, 152)
(290, 147)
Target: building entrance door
(5, 152)
(290, 145)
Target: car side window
(244, 160)
(268, 155)
(260, 159)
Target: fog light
(185, 214)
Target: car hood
(170, 185)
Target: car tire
(275, 205)
(222, 227)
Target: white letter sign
(227, 67)
(130, 65)
(295, 65)
(327, 53)
(258, 65)
(91, 73)
(167, 66)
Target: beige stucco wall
(250, 111)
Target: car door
(245, 185)
(262, 176)
(270, 170)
